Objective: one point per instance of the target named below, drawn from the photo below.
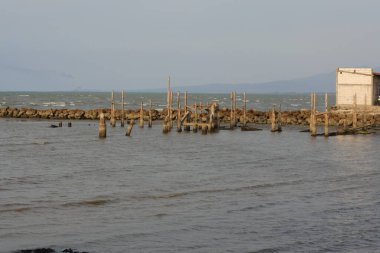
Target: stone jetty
(337, 117)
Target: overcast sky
(93, 44)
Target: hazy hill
(317, 83)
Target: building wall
(349, 84)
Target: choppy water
(225, 192)
(93, 100)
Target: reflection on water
(184, 192)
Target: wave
(21, 208)
(93, 202)
(206, 191)
(57, 104)
(267, 250)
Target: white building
(360, 81)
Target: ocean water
(231, 191)
(94, 100)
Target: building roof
(354, 71)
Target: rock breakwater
(300, 117)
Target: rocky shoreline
(301, 117)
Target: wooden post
(204, 129)
(232, 110)
(186, 127)
(179, 124)
(314, 115)
(279, 128)
(244, 110)
(211, 123)
(311, 112)
(102, 126)
(141, 118)
(345, 123)
(60, 124)
(112, 120)
(150, 123)
(129, 128)
(166, 127)
(69, 124)
(168, 94)
(313, 127)
(273, 119)
(122, 109)
(168, 107)
(355, 114)
(235, 111)
(171, 110)
(195, 125)
(200, 112)
(365, 113)
(326, 116)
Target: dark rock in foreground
(48, 250)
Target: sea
(94, 100)
(230, 191)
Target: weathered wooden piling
(165, 126)
(170, 105)
(244, 110)
(204, 129)
(235, 109)
(355, 113)
(141, 117)
(179, 123)
(200, 115)
(278, 122)
(60, 124)
(326, 116)
(102, 126)
(213, 121)
(122, 109)
(69, 124)
(365, 113)
(232, 124)
(150, 123)
(186, 119)
(195, 124)
(168, 123)
(273, 119)
(313, 121)
(130, 127)
(171, 110)
(112, 118)
(168, 94)
(345, 125)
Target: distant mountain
(317, 83)
(18, 78)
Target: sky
(136, 44)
